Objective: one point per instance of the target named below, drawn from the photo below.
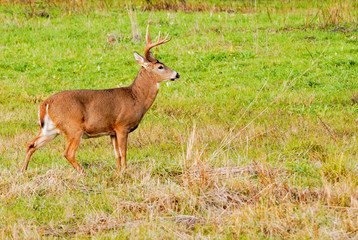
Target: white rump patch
(49, 128)
(48, 131)
(158, 86)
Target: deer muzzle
(177, 76)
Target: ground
(258, 138)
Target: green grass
(197, 166)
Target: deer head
(158, 70)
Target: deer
(85, 113)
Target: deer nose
(177, 76)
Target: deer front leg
(121, 149)
(116, 151)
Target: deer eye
(160, 67)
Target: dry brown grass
(200, 199)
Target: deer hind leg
(73, 140)
(48, 131)
(121, 149)
(40, 140)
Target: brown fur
(90, 113)
(42, 112)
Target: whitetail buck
(93, 113)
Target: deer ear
(141, 60)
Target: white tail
(92, 113)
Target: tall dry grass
(314, 12)
(253, 200)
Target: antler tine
(160, 36)
(147, 37)
(150, 45)
(167, 37)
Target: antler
(150, 45)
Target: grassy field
(258, 139)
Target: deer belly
(97, 128)
(86, 135)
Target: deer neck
(144, 88)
